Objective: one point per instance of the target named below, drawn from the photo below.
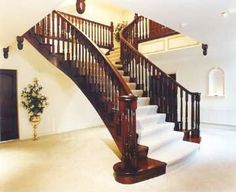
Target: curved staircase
(164, 143)
(134, 98)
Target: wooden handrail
(99, 33)
(149, 29)
(170, 96)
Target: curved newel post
(129, 161)
(193, 135)
(197, 121)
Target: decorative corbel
(80, 6)
(20, 40)
(5, 52)
(204, 49)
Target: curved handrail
(100, 33)
(81, 59)
(159, 86)
(117, 75)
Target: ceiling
(18, 16)
(202, 19)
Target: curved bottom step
(175, 152)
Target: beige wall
(68, 108)
(99, 11)
(192, 70)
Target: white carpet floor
(82, 161)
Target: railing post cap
(128, 98)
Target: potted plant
(118, 29)
(34, 102)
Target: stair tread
(158, 140)
(176, 152)
(150, 116)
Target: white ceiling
(203, 18)
(18, 16)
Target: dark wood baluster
(197, 133)
(59, 25)
(53, 31)
(181, 109)
(192, 113)
(186, 111)
(146, 79)
(146, 28)
(48, 29)
(111, 36)
(102, 36)
(73, 44)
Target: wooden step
(147, 169)
(132, 86)
(121, 72)
(126, 78)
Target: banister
(127, 90)
(80, 58)
(159, 86)
(100, 33)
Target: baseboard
(207, 125)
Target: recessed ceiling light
(224, 14)
(183, 25)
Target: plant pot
(35, 120)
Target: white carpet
(82, 161)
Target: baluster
(181, 109)
(197, 133)
(103, 36)
(58, 42)
(72, 44)
(166, 105)
(48, 27)
(146, 28)
(186, 111)
(53, 31)
(192, 114)
(146, 79)
(111, 36)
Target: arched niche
(216, 80)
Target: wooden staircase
(112, 86)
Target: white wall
(99, 11)
(68, 108)
(192, 70)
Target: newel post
(197, 131)
(128, 164)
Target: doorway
(8, 105)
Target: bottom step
(176, 152)
(148, 168)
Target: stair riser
(158, 118)
(132, 86)
(164, 143)
(138, 93)
(146, 111)
(143, 101)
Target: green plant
(33, 100)
(118, 29)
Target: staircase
(133, 97)
(164, 143)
